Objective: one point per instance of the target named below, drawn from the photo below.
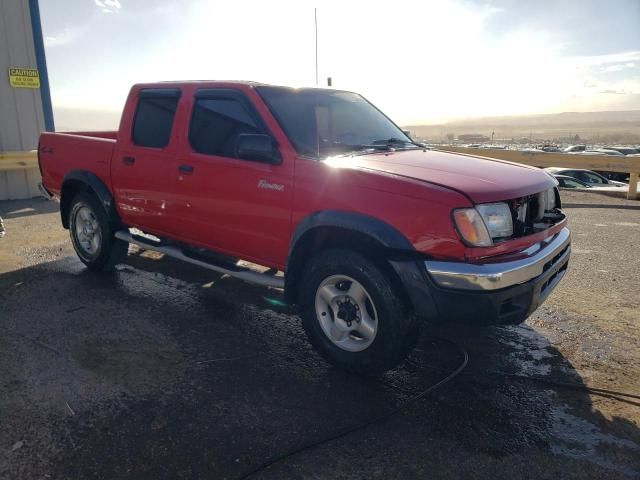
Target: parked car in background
(606, 151)
(626, 150)
(588, 177)
(619, 177)
(550, 148)
(542, 149)
(564, 181)
(575, 149)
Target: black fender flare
(385, 234)
(406, 262)
(90, 182)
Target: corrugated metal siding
(21, 116)
(16, 184)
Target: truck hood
(479, 178)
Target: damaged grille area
(535, 213)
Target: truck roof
(242, 83)
(197, 82)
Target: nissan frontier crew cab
(366, 232)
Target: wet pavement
(163, 370)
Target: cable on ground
(361, 426)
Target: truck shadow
(25, 208)
(165, 370)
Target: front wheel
(352, 314)
(92, 236)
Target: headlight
(481, 225)
(471, 227)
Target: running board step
(266, 280)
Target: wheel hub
(87, 231)
(348, 311)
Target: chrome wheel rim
(346, 313)
(87, 230)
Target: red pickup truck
(317, 192)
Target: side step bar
(242, 273)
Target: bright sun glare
(419, 61)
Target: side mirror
(257, 147)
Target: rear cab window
(219, 116)
(153, 119)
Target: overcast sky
(421, 62)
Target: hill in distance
(553, 125)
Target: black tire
(396, 324)
(110, 251)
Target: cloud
(108, 6)
(63, 37)
(623, 58)
(602, 77)
(618, 67)
(493, 62)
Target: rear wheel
(352, 314)
(92, 236)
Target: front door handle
(186, 169)
(128, 160)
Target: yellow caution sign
(24, 78)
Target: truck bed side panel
(60, 153)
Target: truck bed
(112, 134)
(61, 153)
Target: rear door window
(154, 117)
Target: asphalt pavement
(162, 370)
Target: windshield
(321, 123)
(590, 177)
(568, 182)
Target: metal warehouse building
(25, 103)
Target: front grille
(554, 260)
(552, 280)
(535, 213)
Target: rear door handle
(128, 160)
(186, 169)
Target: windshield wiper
(396, 141)
(388, 145)
(344, 148)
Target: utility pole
(315, 20)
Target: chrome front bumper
(539, 258)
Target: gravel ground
(163, 370)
